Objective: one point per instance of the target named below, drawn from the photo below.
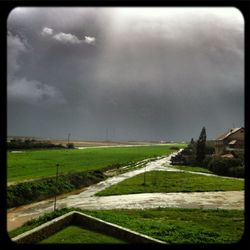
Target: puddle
(86, 199)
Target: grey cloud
(15, 47)
(34, 92)
(47, 31)
(66, 38)
(69, 38)
(89, 39)
(148, 77)
(21, 89)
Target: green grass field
(78, 235)
(165, 182)
(178, 226)
(193, 169)
(41, 163)
(173, 225)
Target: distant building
(231, 142)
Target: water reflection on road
(87, 200)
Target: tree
(191, 142)
(191, 145)
(201, 146)
(70, 145)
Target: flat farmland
(34, 164)
(79, 143)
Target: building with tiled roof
(231, 141)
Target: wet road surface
(86, 199)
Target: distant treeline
(18, 144)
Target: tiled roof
(228, 133)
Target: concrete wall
(76, 218)
(45, 230)
(112, 229)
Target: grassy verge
(39, 221)
(173, 225)
(193, 169)
(28, 192)
(165, 182)
(41, 163)
(180, 225)
(77, 235)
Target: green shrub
(191, 160)
(209, 150)
(178, 160)
(27, 192)
(238, 171)
(115, 166)
(174, 148)
(31, 144)
(187, 151)
(206, 161)
(70, 145)
(221, 166)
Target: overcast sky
(125, 73)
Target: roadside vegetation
(193, 169)
(173, 225)
(198, 153)
(77, 169)
(119, 169)
(79, 235)
(39, 221)
(28, 192)
(166, 182)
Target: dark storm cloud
(143, 74)
(20, 88)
